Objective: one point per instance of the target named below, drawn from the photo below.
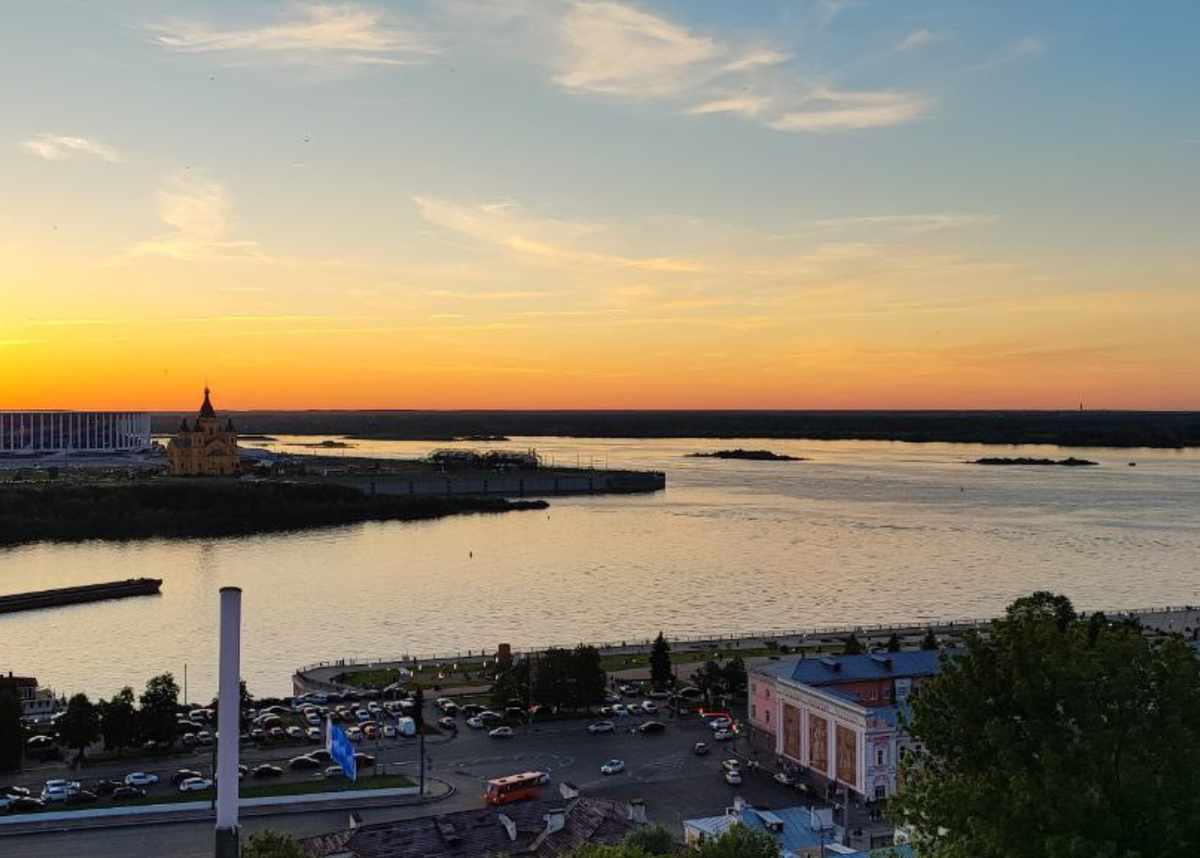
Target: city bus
(514, 787)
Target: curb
(166, 818)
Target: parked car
(659, 694)
(294, 732)
(389, 731)
(313, 734)
(652, 727)
(723, 735)
(354, 734)
(720, 723)
(612, 767)
(39, 742)
(636, 709)
(362, 760)
(488, 715)
(733, 777)
(24, 804)
(54, 794)
(619, 710)
(502, 733)
(183, 775)
(304, 761)
(204, 737)
(447, 723)
(60, 784)
(700, 749)
(266, 770)
(602, 727)
(195, 785)
(649, 707)
(476, 723)
(140, 779)
(320, 754)
(471, 709)
(731, 765)
(124, 793)
(81, 796)
(333, 771)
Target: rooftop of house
(520, 828)
(792, 827)
(840, 669)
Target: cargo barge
(77, 595)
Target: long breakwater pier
(469, 668)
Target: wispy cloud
(620, 51)
(917, 39)
(313, 34)
(199, 211)
(61, 147)
(906, 223)
(543, 241)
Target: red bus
(515, 787)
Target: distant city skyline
(465, 204)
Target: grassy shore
(180, 508)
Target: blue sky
(915, 204)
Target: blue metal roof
(832, 670)
(797, 831)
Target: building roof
(206, 410)
(790, 826)
(836, 670)
(11, 681)
(481, 831)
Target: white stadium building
(26, 433)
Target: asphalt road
(660, 769)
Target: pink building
(837, 718)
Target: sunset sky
(540, 204)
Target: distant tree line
(1071, 428)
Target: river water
(864, 532)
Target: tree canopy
(740, 842)
(160, 708)
(1049, 735)
(80, 724)
(118, 720)
(12, 731)
(272, 844)
(660, 663)
(562, 679)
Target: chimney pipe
(228, 722)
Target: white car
(612, 767)
(723, 735)
(602, 727)
(733, 776)
(620, 710)
(295, 732)
(389, 731)
(721, 723)
(502, 733)
(140, 779)
(60, 784)
(475, 723)
(195, 784)
(313, 734)
(731, 765)
(649, 707)
(59, 794)
(354, 734)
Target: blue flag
(341, 751)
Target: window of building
(872, 693)
(880, 756)
(768, 716)
(753, 711)
(880, 792)
(768, 694)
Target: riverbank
(179, 508)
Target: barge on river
(76, 595)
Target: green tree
(118, 720)
(79, 725)
(12, 731)
(604, 850)
(652, 839)
(893, 643)
(660, 663)
(589, 679)
(1049, 736)
(733, 676)
(511, 683)
(852, 645)
(740, 842)
(159, 708)
(930, 641)
(708, 678)
(273, 844)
